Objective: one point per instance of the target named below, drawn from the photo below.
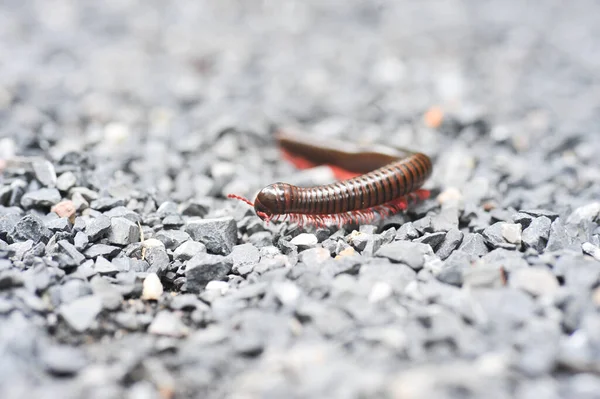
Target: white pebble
(583, 213)
(451, 196)
(591, 250)
(116, 133)
(8, 148)
(380, 291)
(153, 243)
(152, 288)
(512, 233)
(221, 286)
(287, 292)
(305, 240)
(535, 281)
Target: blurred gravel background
(125, 273)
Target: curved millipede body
(384, 183)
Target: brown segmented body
(375, 188)
(397, 175)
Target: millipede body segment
(385, 181)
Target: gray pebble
(367, 229)
(106, 203)
(166, 208)
(73, 289)
(58, 224)
(63, 360)
(158, 259)
(45, 173)
(42, 198)
(219, 235)
(70, 250)
(85, 270)
(203, 268)
(446, 220)
(523, 219)
(79, 202)
(454, 268)
(504, 308)
(31, 227)
(508, 259)
(452, 240)
(591, 249)
(503, 235)
(138, 265)
(536, 235)
(172, 238)
(123, 231)
(484, 276)
(583, 386)
(96, 250)
(127, 320)
(123, 212)
(6, 306)
(432, 239)
(195, 208)
(20, 248)
(105, 267)
(82, 312)
(173, 221)
(80, 240)
(314, 257)
(407, 232)
(538, 213)
(579, 273)
(10, 279)
(7, 224)
(423, 225)
(169, 324)
(97, 228)
(79, 224)
(86, 193)
(558, 238)
(261, 239)
(188, 250)
(474, 245)
(66, 181)
(586, 213)
(243, 256)
(374, 242)
(111, 297)
(409, 253)
(187, 302)
(358, 240)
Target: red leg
(423, 194)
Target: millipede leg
(423, 194)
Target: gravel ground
(125, 273)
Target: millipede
(372, 181)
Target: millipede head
(260, 209)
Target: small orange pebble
(346, 252)
(64, 209)
(488, 206)
(434, 117)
